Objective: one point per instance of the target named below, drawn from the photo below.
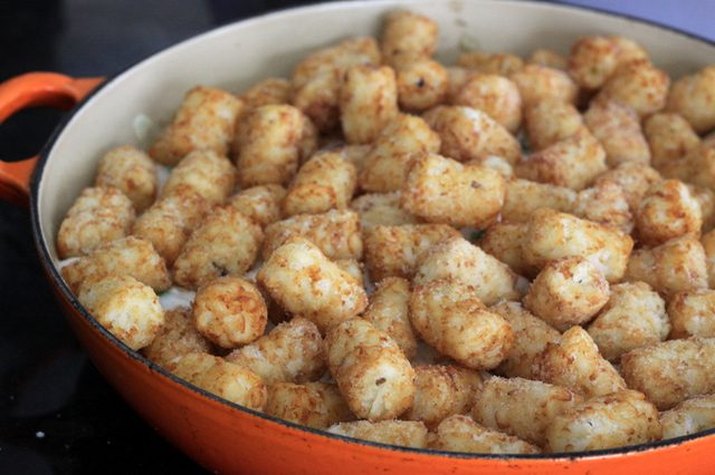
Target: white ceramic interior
(237, 55)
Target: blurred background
(56, 413)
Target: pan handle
(30, 90)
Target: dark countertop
(56, 413)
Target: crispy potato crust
(460, 433)
(447, 315)
(306, 283)
(98, 216)
(521, 407)
(616, 420)
(129, 309)
(291, 352)
(401, 433)
(373, 374)
(229, 311)
(671, 371)
(442, 391)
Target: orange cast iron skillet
(222, 436)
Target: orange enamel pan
(219, 435)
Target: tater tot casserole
(503, 254)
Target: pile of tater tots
(509, 255)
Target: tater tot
(706, 200)
(225, 243)
(316, 79)
(176, 338)
(670, 137)
(442, 190)
(605, 203)
(573, 162)
(592, 61)
(690, 416)
(449, 316)
(355, 154)
(381, 209)
(336, 233)
(496, 163)
(531, 335)
(460, 433)
(205, 121)
(633, 317)
(291, 352)
(373, 374)
(675, 265)
(352, 267)
(504, 241)
(127, 256)
(306, 283)
(458, 77)
(456, 258)
(549, 58)
(693, 97)
(567, 292)
(393, 152)
(270, 91)
(523, 197)
(574, 362)
(549, 121)
(667, 211)
(226, 380)
(634, 179)
(692, 313)
(132, 172)
(168, 223)
(389, 311)
(229, 311)
(317, 405)
(272, 141)
(98, 216)
(261, 203)
(504, 64)
(615, 420)
(537, 83)
(671, 371)
(317, 95)
(326, 181)
(697, 167)
(400, 433)
(495, 95)
(127, 308)
(407, 34)
(394, 250)
(442, 391)
(639, 85)
(368, 102)
(628, 50)
(211, 175)
(521, 407)
(553, 235)
(618, 128)
(470, 134)
(421, 84)
(708, 243)
(266, 92)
